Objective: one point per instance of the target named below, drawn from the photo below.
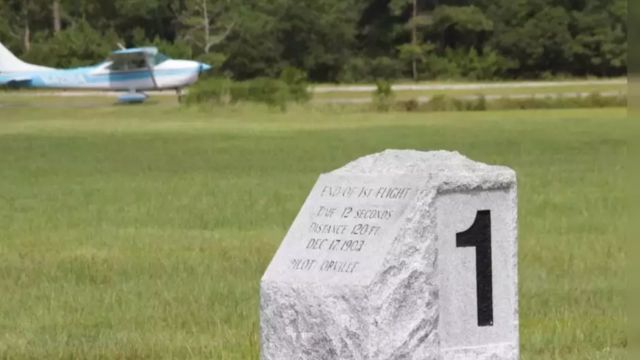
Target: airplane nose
(204, 67)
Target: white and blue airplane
(131, 71)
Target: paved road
(469, 86)
(367, 89)
(320, 89)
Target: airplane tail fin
(10, 63)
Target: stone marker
(398, 255)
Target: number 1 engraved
(479, 236)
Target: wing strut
(150, 68)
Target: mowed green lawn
(142, 232)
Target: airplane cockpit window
(127, 64)
(159, 58)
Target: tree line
(334, 40)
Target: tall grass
(142, 232)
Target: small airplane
(131, 71)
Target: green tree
(415, 50)
(77, 45)
(355, 40)
(460, 26)
(253, 47)
(206, 23)
(318, 35)
(139, 21)
(534, 34)
(600, 32)
(18, 20)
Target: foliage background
(334, 40)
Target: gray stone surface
(370, 268)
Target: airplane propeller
(204, 68)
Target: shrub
(591, 101)
(446, 103)
(436, 66)
(440, 103)
(297, 82)
(463, 64)
(383, 96)
(385, 68)
(360, 69)
(481, 103)
(355, 70)
(273, 92)
(239, 91)
(213, 90)
(410, 105)
(597, 100)
(221, 91)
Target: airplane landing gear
(180, 95)
(132, 97)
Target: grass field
(142, 232)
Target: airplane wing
(142, 55)
(134, 53)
